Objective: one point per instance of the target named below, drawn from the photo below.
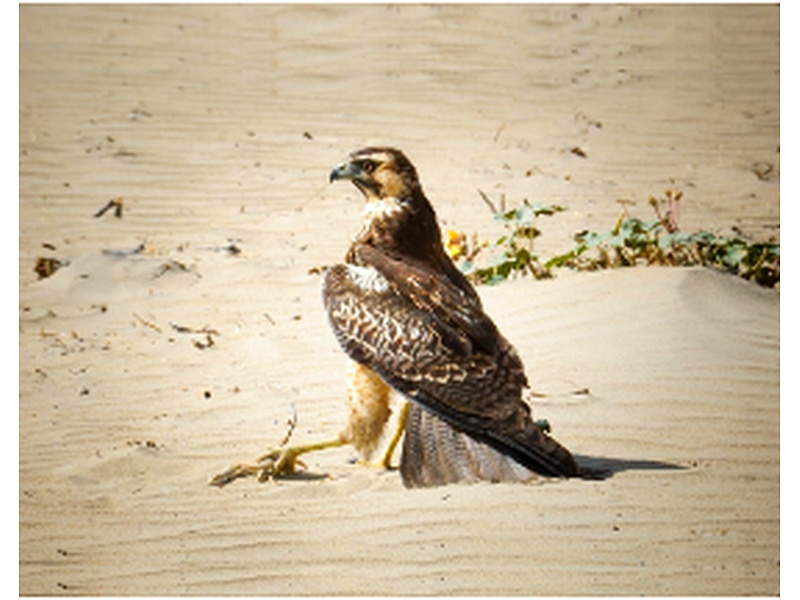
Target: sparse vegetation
(631, 241)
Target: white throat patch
(385, 207)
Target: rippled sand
(217, 125)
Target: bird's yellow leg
(386, 463)
(279, 461)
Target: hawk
(411, 322)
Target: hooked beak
(345, 170)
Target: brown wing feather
(436, 346)
(450, 301)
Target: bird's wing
(431, 341)
(455, 310)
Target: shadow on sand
(598, 467)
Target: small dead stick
(488, 202)
(147, 323)
(116, 204)
(291, 424)
(187, 329)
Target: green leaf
(735, 254)
(467, 267)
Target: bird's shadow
(601, 467)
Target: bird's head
(398, 217)
(380, 174)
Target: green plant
(660, 242)
(510, 255)
(631, 241)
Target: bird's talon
(276, 462)
(272, 455)
(231, 474)
(264, 474)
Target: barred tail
(435, 453)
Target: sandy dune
(218, 125)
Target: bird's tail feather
(435, 453)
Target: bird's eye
(368, 166)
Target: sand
(142, 374)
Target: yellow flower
(454, 244)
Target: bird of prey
(411, 322)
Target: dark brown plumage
(400, 308)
